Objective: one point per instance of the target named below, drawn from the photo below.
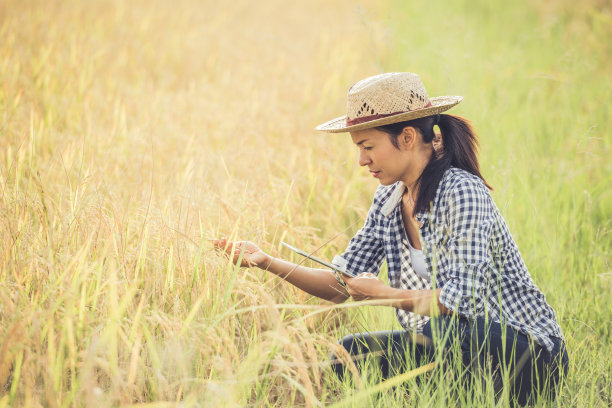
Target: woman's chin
(385, 182)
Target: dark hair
(459, 149)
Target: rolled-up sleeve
(365, 251)
(469, 220)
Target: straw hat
(387, 98)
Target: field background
(131, 133)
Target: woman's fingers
(220, 243)
(238, 250)
(243, 251)
(365, 286)
(226, 246)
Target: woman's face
(386, 162)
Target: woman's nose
(364, 160)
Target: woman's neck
(413, 175)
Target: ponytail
(459, 149)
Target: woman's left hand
(366, 286)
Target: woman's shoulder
(455, 179)
(459, 185)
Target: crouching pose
(454, 270)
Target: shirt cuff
(340, 263)
(452, 298)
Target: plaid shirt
(468, 251)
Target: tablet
(322, 262)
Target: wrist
(387, 292)
(403, 299)
(265, 264)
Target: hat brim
(438, 104)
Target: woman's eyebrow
(364, 140)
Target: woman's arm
(423, 302)
(318, 282)
(469, 219)
(321, 283)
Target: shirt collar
(395, 198)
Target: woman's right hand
(252, 255)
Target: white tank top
(418, 262)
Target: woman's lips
(375, 173)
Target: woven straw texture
(387, 98)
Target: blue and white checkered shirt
(468, 251)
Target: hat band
(363, 119)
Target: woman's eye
(367, 148)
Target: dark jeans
(483, 345)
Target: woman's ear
(407, 138)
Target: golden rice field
(132, 133)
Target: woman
(449, 253)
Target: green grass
(132, 134)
